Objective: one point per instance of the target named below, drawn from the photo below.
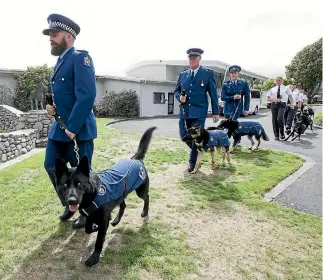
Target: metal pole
(225, 73)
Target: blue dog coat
(116, 182)
(218, 138)
(246, 128)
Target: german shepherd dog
(208, 140)
(303, 121)
(97, 194)
(238, 129)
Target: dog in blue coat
(95, 195)
(238, 129)
(208, 140)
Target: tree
(306, 68)
(27, 82)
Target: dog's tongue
(73, 208)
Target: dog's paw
(145, 218)
(250, 148)
(94, 259)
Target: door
(170, 103)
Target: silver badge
(142, 173)
(202, 84)
(102, 190)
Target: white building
(154, 82)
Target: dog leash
(49, 98)
(236, 110)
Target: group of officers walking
(73, 89)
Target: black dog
(208, 140)
(303, 121)
(238, 129)
(97, 194)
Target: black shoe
(277, 138)
(79, 222)
(282, 137)
(190, 168)
(67, 214)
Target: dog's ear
(60, 168)
(199, 130)
(84, 167)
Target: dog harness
(245, 128)
(217, 138)
(116, 182)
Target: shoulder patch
(142, 173)
(102, 190)
(87, 61)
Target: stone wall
(16, 143)
(12, 119)
(9, 118)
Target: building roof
(134, 79)
(11, 71)
(183, 63)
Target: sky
(260, 36)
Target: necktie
(192, 76)
(278, 92)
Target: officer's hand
(237, 96)
(292, 107)
(51, 110)
(182, 98)
(215, 118)
(69, 134)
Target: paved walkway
(304, 194)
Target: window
(159, 98)
(255, 93)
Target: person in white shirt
(278, 97)
(290, 113)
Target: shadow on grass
(57, 257)
(148, 247)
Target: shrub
(121, 104)
(27, 82)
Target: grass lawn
(318, 119)
(211, 225)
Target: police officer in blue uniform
(74, 90)
(235, 94)
(191, 89)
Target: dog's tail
(264, 135)
(144, 143)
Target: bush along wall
(118, 104)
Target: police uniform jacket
(249, 128)
(229, 89)
(196, 105)
(115, 183)
(217, 138)
(74, 90)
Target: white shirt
(195, 71)
(295, 97)
(284, 93)
(302, 97)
